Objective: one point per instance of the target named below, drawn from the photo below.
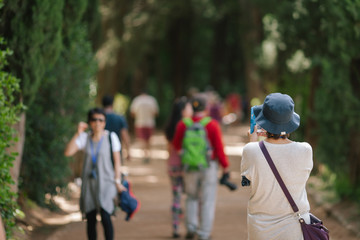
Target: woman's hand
(71, 147)
(253, 137)
(82, 126)
(120, 188)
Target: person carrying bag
(270, 216)
(313, 231)
(100, 176)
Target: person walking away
(270, 215)
(215, 107)
(100, 176)
(181, 109)
(117, 123)
(144, 108)
(201, 180)
(233, 102)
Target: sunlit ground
(164, 155)
(148, 174)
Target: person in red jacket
(203, 182)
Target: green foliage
(298, 87)
(328, 34)
(33, 30)
(92, 20)
(61, 101)
(173, 43)
(333, 119)
(9, 110)
(338, 115)
(170, 46)
(54, 59)
(344, 188)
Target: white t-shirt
(82, 138)
(145, 108)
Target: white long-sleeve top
(270, 215)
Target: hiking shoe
(206, 238)
(146, 160)
(175, 235)
(190, 235)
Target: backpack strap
(204, 121)
(188, 122)
(111, 152)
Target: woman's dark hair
(175, 117)
(93, 111)
(277, 136)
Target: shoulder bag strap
(278, 177)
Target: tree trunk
(140, 78)
(311, 122)
(219, 53)
(111, 75)
(251, 21)
(354, 149)
(179, 38)
(354, 156)
(18, 147)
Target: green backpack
(195, 146)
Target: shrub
(9, 110)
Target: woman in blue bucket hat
(270, 216)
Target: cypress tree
(33, 31)
(62, 101)
(8, 116)
(54, 59)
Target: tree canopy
(68, 54)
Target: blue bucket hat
(276, 115)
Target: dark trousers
(106, 222)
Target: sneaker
(207, 238)
(175, 235)
(190, 235)
(146, 160)
(181, 214)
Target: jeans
(201, 187)
(106, 222)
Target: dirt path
(151, 186)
